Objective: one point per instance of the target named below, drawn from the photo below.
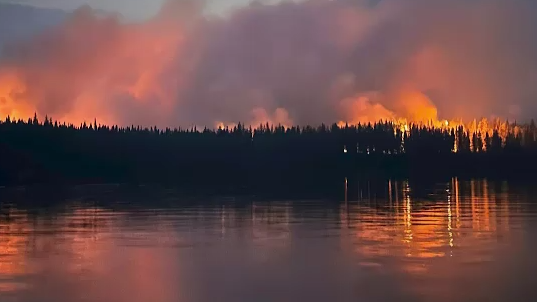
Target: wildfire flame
(419, 112)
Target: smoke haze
(301, 62)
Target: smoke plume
(301, 62)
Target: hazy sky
(132, 9)
(305, 63)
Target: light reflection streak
(424, 230)
(390, 191)
(457, 202)
(450, 229)
(408, 214)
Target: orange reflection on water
(14, 241)
(83, 243)
(417, 229)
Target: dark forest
(33, 152)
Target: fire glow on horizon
(301, 63)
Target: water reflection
(450, 224)
(422, 244)
(76, 255)
(13, 245)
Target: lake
(472, 240)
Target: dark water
(458, 241)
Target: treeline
(35, 151)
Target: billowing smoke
(302, 62)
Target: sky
(300, 62)
(130, 9)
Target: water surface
(458, 241)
